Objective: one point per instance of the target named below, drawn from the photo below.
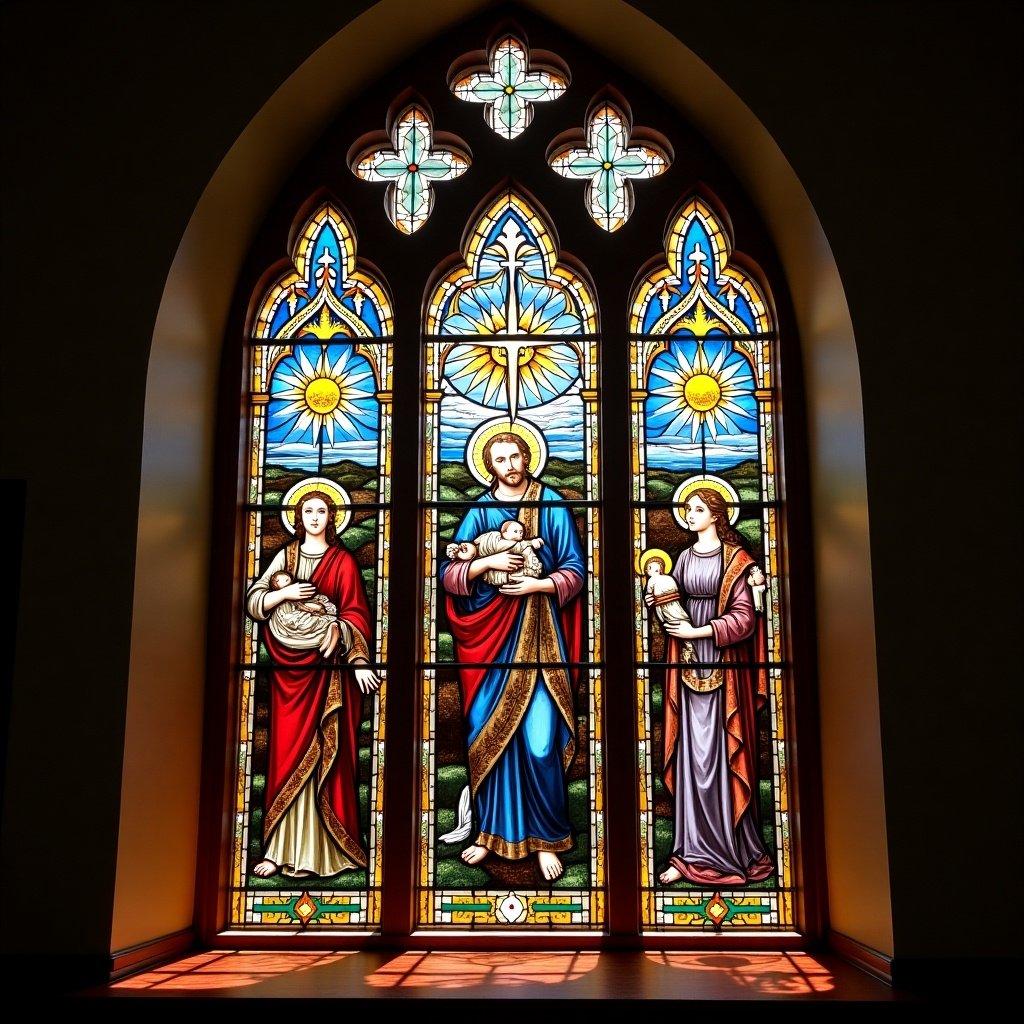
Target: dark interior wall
(903, 122)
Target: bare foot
(474, 854)
(265, 869)
(550, 865)
(670, 875)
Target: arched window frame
(407, 263)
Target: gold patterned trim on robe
(290, 790)
(329, 729)
(537, 642)
(692, 680)
(738, 747)
(359, 648)
(523, 848)
(736, 560)
(319, 758)
(291, 558)
(691, 677)
(337, 831)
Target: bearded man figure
(520, 716)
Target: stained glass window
(714, 790)
(484, 572)
(308, 799)
(509, 83)
(512, 818)
(603, 157)
(411, 165)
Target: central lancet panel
(512, 813)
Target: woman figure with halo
(712, 696)
(311, 821)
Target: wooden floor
(696, 978)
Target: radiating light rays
(691, 391)
(330, 398)
(543, 373)
(509, 87)
(510, 290)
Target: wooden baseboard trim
(149, 954)
(877, 964)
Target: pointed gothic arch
(641, 197)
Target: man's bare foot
(550, 865)
(670, 875)
(474, 854)
(265, 869)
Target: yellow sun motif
(526, 375)
(702, 392)
(323, 396)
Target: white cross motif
(511, 240)
(326, 271)
(697, 258)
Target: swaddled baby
(508, 537)
(665, 598)
(302, 625)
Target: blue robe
(518, 774)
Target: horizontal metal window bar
(589, 665)
(353, 506)
(713, 664)
(568, 503)
(249, 666)
(275, 342)
(539, 339)
(760, 336)
(729, 504)
(511, 664)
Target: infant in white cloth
(664, 590)
(301, 625)
(508, 537)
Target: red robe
(314, 716)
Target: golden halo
(478, 440)
(643, 557)
(711, 483)
(292, 502)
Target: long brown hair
(331, 533)
(720, 516)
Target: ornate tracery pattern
(703, 419)
(415, 161)
(605, 160)
(509, 84)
